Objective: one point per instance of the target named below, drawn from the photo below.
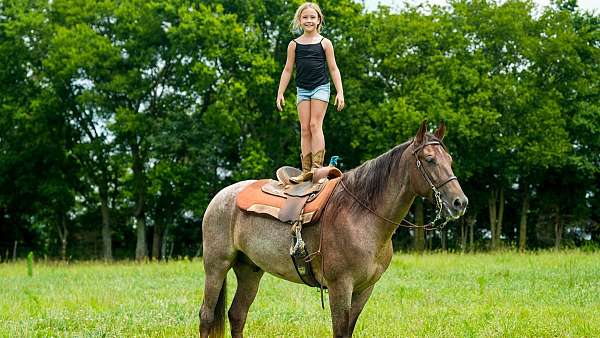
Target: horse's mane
(370, 179)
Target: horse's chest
(383, 259)
(372, 267)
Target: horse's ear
(421, 133)
(441, 131)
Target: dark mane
(368, 180)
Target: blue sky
(372, 4)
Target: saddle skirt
(289, 202)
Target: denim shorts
(322, 93)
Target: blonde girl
(313, 55)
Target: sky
(592, 5)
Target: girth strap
(304, 268)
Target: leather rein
(434, 188)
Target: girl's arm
(335, 74)
(286, 74)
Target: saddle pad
(253, 199)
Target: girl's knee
(315, 126)
(305, 130)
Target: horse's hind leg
(212, 311)
(219, 256)
(248, 278)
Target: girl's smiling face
(309, 20)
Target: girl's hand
(280, 102)
(339, 101)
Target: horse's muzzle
(458, 206)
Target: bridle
(424, 172)
(434, 188)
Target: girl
(312, 54)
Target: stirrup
(297, 235)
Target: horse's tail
(218, 325)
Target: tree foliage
(120, 120)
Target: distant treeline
(119, 120)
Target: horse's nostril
(457, 203)
(460, 203)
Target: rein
(436, 193)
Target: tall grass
(505, 294)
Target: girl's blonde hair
(296, 20)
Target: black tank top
(311, 65)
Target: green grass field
(483, 295)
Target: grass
(483, 295)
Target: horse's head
(432, 174)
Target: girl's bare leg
(317, 114)
(305, 139)
(305, 135)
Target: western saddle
(287, 201)
(292, 203)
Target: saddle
(297, 204)
(287, 201)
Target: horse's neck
(397, 198)
(393, 198)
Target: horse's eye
(429, 159)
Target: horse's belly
(266, 242)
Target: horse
(352, 239)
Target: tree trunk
(500, 218)
(63, 232)
(463, 234)
(156, 241)
(496, 210)
(141, 249)
(558, 229)
(523, 223)
(444, 238)
(420, 221)
(429, 236)
(471, 230)
(63, 250)
(163, 246)
(492, 210)
(106, 229)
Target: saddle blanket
(253, 198)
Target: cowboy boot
(306, 172)
(318, 159)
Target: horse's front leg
(358, 303)
(340, 301)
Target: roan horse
(356, 246)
